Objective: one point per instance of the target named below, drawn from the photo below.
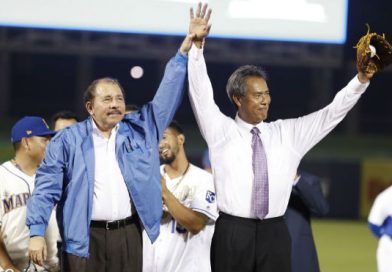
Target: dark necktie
(260, 186)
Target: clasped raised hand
(199, 23)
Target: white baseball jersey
(176, 249)
(382, 210)
(15, 189)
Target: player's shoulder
(7, 175)
(2, 165)
(386, 194)
(5, 168)
(200, 178)
(199, 172)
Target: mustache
(114, 112)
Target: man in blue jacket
(103, 174)
(306, 199)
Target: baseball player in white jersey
(380, 223)
(190, 210)
(29, 136)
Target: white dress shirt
(285, 142)
(111, 199)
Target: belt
(251, 220)
(111, 225)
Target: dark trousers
(116, 250)
(250, 245)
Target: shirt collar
(98, 132)
(246, 127)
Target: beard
(167, 159)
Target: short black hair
(174, 125)
(89, 94)
(65, 114)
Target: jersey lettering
(15, 201)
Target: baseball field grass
(345, 246)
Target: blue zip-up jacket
(66, 176)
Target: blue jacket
(306, 199)
(66, 176)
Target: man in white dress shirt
(254, 162)
(190, 211)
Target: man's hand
(165, 194)
(199, 23)
(37, 250)
(165, 191)
(187, 43)
(191, 220)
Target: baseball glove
(366, 63)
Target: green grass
(346, 246)
(6, 150)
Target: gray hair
(236, 85)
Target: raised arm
(305, 132)
(209, 117)
(161, 109)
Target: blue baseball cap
(30, 126)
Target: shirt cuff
(181, 57)
(356, 86)
(210, 214)
(37, 230)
